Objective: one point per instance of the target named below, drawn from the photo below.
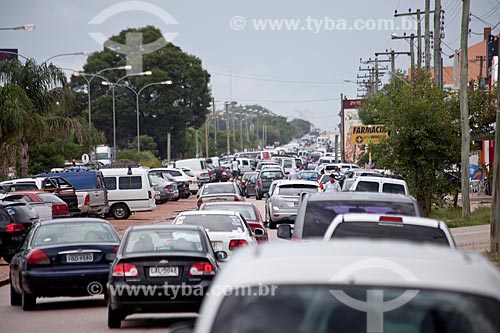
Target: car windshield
(249, 175)
(222, 223)
(219, 189)
(296, 189)
(319, 214)
(74, 232)
(245, 210)
(396, 231)
(271, 175)
(163, 240)
(325, 309)
(308, 175)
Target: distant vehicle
(283, 201)
(389, 227)
(317, 211)
(379, 184)
(167, 189)
(182, 181)
(129, 190)
(159, 257)
(325, 287)
(217, 192)
(61, 258)
(288, 164)
(248, 210)
(309, 175)
(58, 207)
(264, 181)
(248, 183)
(198, 166)
(102, 154)
(228, 230)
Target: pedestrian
(294, 175)
(333, 185)
(235, 169)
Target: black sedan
(63, 257)
(160, 268)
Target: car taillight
(125, 270)
(296, 239)
(236, 198)
(14, 227)
(260, 182)
(190, 181)
(150, 195)
(390, 219)
(236, 243)
(86, 201)
(168, 187)
(38, 257)
(201, 268)
(115, 249)
(243, 182)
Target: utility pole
(215, 123)
(437, 43)
(169, 152)
(206, 138)
(464, 108)
(241, 131)
(342, 134)
(412, 47)
(495, 208)
(197, 143)
(427, 36)
(392, 54)
(227, 128)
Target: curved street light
(26, 27)
(113, 85)
(66, 54)
(137, 94)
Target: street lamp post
(113, 85)
(26, 27)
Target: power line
(493, 11)
(480, 19)
(271, 79)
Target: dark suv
(317, 211)
(16, 218)
(264, 181)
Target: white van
(380, 184)
(288, 164)
(129, 190)
(197, 165)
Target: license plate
(163, 271)
(217, 246)
(83, 257)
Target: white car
(215, 192)
(375, 226)
(380, 184)
(353, 286)
(227, 230)
(181, 175)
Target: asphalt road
(89, 314)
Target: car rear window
(365, 186)
(74, 232)
(271, 175)
(393, 188)
(219, 189)
(330, 308)
(223, 223)
(319, 214)
(396, 231)
(48, 197)
(296, 189)
(246, 211)
(163, 240)
(308, 175)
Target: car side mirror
(221, 256)
(284, 231)
(259, 232)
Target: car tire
(28, 302)
(273, 225)
(15, 297)
(120, 211)
(115, 318)
(176, 199)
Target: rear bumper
(282, 214)
(65, 283)
(156, 298)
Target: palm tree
(31, 113)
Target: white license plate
(163, 271)
(217, 246)
(81, 257)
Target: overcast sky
(295, 71)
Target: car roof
(367, 196)
(229, 203)
(218, 184)
(74, 220)
(296, 182)
(361, 217)
(165, 227)
(207, 212)
(381, 179)
(364, 262)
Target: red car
(59, 207)
(248, 210)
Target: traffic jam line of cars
(360, 261)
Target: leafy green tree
(423, 138)
(173, 108)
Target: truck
(102, 155)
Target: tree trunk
(25, 156)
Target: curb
(4, 282)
